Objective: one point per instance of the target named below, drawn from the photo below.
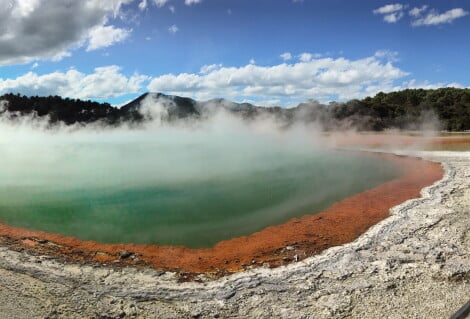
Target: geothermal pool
(172, 186)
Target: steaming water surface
(191, 187)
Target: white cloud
(173, 29)
(252, 61)
(105, 36)
(414, 84)
(143, 5)
(392, 13)
(318, 78)
(393, 17)
(46, 29)
(321, 79)
(306, 57)
(35, 65)
(410, 84)
(416, 12)
(24, 8)
(286, 56)
(389, 8)
(274, 102)
(104, 82)
(160, 3)
(387, 54)
(209, 68)
(190, 2)
(434, 18)
(172, 9)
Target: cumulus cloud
(44, 29)
(393, 17)
(209, 68)
(143, 5)
(24, 8)
(435, 18)
(286, 56)
(190, 2)
(417, 11)
(389, 8)
(408, 84)
(160, 3)
(104, 82)
(173, 29)
(387, 54)
(392, 13)
(414, 84)
(306, 57)
(318, 78)
(105, 36)
(322, 79)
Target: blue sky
(270, 52)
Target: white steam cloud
(32, 152)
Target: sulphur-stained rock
(125, 254)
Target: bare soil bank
(274, 246)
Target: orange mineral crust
(374, 140)
(271, 247)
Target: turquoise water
(178, 191)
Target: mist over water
(185, 183)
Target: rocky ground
(415, 264)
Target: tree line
(66, 110)
(444, 108)
(409, 109)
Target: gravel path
(414, 264)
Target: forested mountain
(445, 108)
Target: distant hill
(177, 107)
(181, 107)
(445, 108)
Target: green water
(194, 214)
(191, 188)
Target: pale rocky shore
(414, 264)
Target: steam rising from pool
(187, 183)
